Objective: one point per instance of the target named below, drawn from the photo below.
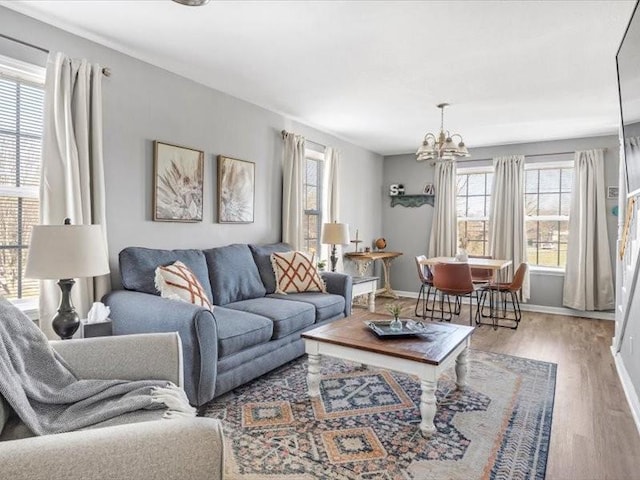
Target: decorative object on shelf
(394, 309)
(429, 189)
(412, 200)
(357, 241)
(236, 190)
(396, 189)
(612, 192)
(335, 234)
(441, 146)
(66, 252)
(380, 243)
(178, 178)
(614, 211)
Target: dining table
(494, 264)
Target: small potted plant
(394, 309)
(322, 264)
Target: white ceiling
(371, 72)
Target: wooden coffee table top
(431, 347)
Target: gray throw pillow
(138, 267)
(233, 273)
(262, 257)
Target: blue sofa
(251, 330)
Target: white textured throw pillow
(296, 272)
(177, 282)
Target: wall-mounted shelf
(412, 200)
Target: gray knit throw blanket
(48, 397)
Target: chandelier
(441, 146)
(192, 3)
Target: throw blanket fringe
(174, 399)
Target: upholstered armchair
(135, 445)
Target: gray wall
(143, 103)
(407, 229)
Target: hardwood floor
(593, 435)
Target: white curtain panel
(588, 279)
(443, 240)
(72, 176)
(331, 197)
(507, 238)
(292, 180)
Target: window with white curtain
(473, 208)
(21, 125)
(313, 194)
(547, 203)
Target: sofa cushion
(233, 274)
(239, 329)
(262, 257)
(177, 282)
(296, 272)
(138, 266)
(287, 316)
(327, 305)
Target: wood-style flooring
(593, 435)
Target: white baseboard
(629, 389)
(527, 307)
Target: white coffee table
(425, 356)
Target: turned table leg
(428, 407)
(313, 375)
(462, 363)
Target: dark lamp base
(66, 322)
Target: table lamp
(66, 252)
(335, 234)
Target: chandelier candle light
(442, 146)
(335, 234)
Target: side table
(364, 259)
(365, 286)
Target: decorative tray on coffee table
(383, 330)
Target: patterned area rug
(365, 424)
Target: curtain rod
(531, 155)
(106, 71)
(284, 132)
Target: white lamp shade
(335, 234)
(66, 251)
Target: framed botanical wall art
(236, 190)
(178, 178)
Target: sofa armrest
(155, 356)
(134, 312)
(178, 449)
(339, 284)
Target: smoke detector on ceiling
(192, 3)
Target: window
(473, 207)
(21, 118)
(547, 201)
(312, 191)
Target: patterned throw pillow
(177, 282)
(296, 272)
